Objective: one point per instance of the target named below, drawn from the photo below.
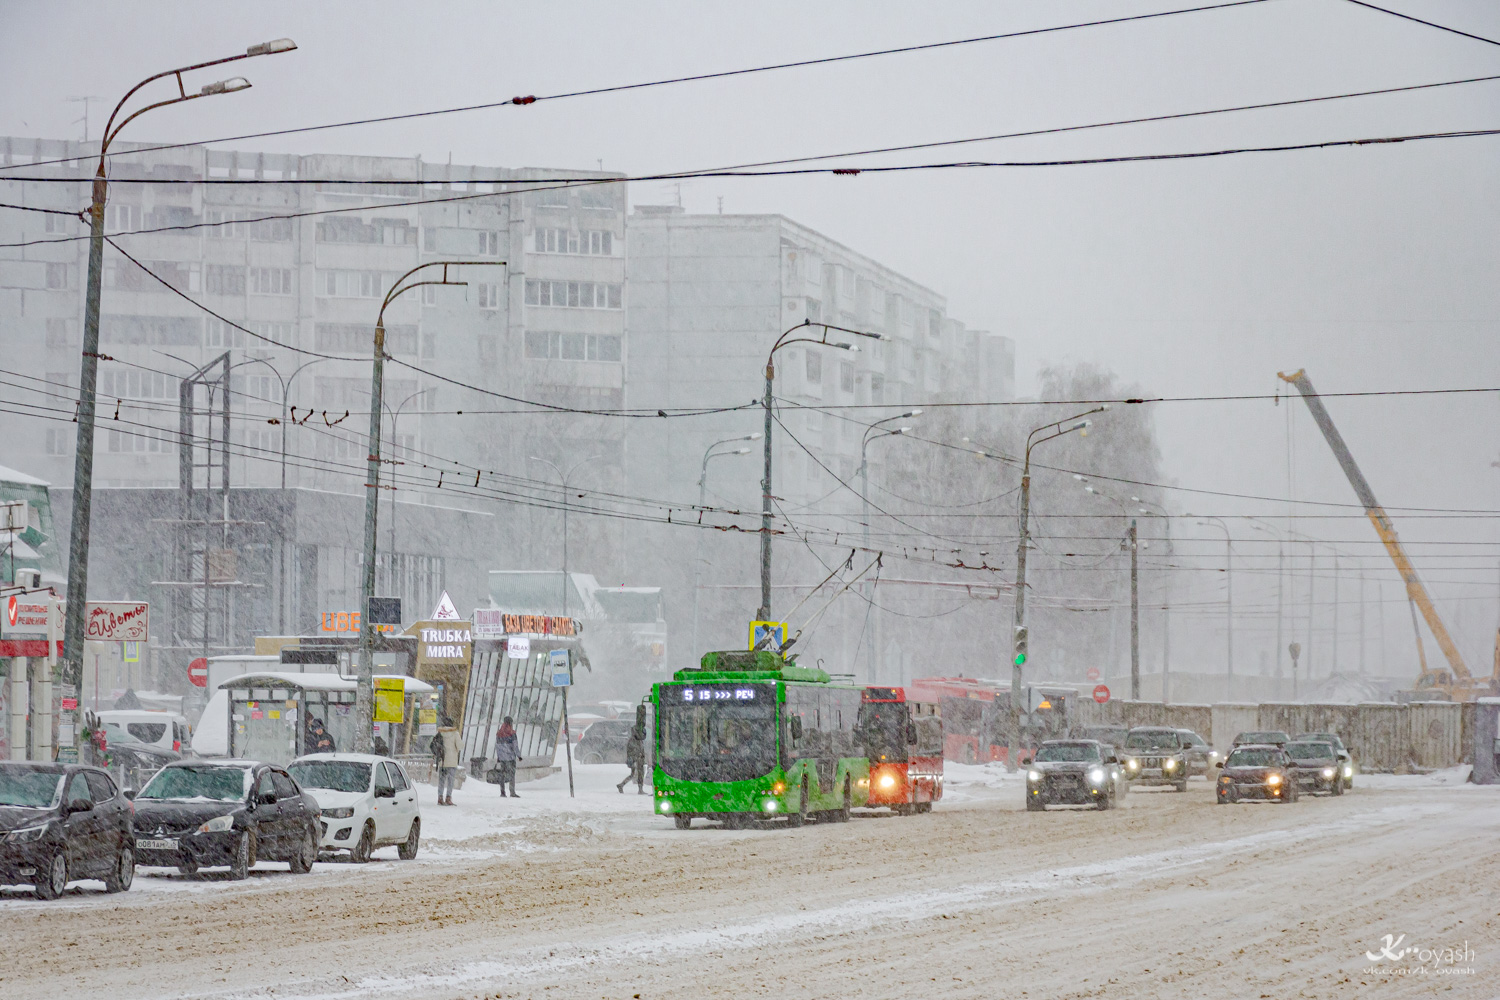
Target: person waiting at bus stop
(507, 752)
(445, 754)
(635, 759)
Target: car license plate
(156, 845)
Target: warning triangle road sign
(445, 611)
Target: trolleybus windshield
(718, 732)
(882, 728)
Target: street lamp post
(563, 478)
(395, 444)
(364, 696)
(1074, 423)
(709, 453)
(764, 612)
(1228, 605)
(88, 372)
(1126, 543)
(876, 430)
(286, 388)
(1166, 604)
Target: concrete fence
(1382, 736)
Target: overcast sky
(1374, 267)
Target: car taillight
(177, 746)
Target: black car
(1201, 757)
(1074, 773)
(1346, 759)
(1273, 737)
(1315, 765)
(60, 822)
(1153, 755)
(603, 742)
(1110, 736)
(1256, 771)
(201, 814)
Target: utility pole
(1312, 584)
(873, 670)
(1334, 668)
(708, 453)
(1135, 618)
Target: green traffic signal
(1020, 659)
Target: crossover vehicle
(1256, 771)
(1346, 759)
(366, 802)
(1201, 757)
(61, 822)
(603, 742)
(1273, 737)
(1315, 766)
(1154, 755)
(167, 730)
(1075, 773)
(1111, 736)
(225, 813)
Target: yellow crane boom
(1456, 682)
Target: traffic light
(1019, 646)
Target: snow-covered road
(594, 897)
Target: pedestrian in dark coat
(635, 759)
(507, 752)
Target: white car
(167, 730)
(366, 802)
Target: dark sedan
(60, 822)
(604, 742)
(1256, 771)
(1315, 766)
(202, 814)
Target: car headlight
(1096, 776)
(1170, 765)
(27, 835)
(1348, 770)
(342, 812)
(665, 805)
(1329, 772)
(887, 781)
(1133, 764)
(1033, 775)
(217, 825)
(1273, 779)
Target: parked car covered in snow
(225, 813)
(61, 822)
(366, 802)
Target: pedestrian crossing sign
(768, 636)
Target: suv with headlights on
(1074, 773)
(1154, 755)
(198, 814)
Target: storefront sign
(518, 648)
(539, 625)
(116, 621)
(444, 643)
(25, 617)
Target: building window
(118, 218)
(814, 367)
(846, 376)
(60, 441)
(271, 281)
(358, 338)
(60, 333)
(590, 242)
(489, 296)
(135, 384)
(934, 323)
(389, 232)
(58, 223)
(57, 276)
(223, 279)
(597, 196)
(556, 197)
(351, 284)
(573, 346)
(877, 388)
(489, 244)
(429, 346)
(573, 294)
(150, 440)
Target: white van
(162, 729)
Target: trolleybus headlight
(1096, 776)
(887, 781)
(666, 805)
(1033, 775)
(1329, 772)
(771, 805)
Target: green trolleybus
(751, 735)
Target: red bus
(977, 718)
(904, 742)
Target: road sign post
(561, 662)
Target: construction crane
(1456, 683)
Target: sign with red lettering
(25, 617)
(116, 621)
(1101, 694)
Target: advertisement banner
(116, 621)
(390, 699)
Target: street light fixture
(872, 432)
(563, 478)
(88, 373)
(1228, 603)
(364, 695)
(1130, 542)
(709, 453)
(764, 612)
(1058, 429)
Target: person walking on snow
(507, 752)
(445, 750)
(635, 758)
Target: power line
(1430, 24)
(694, 78)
